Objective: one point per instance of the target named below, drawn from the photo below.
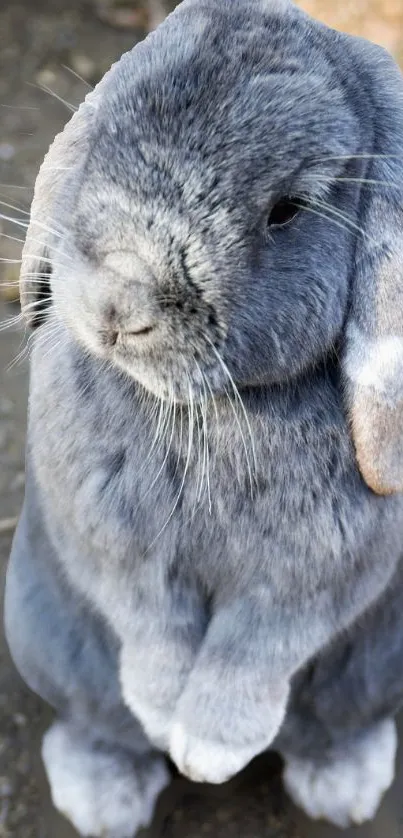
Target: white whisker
(10, 322)
(368, 181)
(201, 433)
(80, 78)
(245, 415)
(199, 446)
(191, 428)
(178, 497)
(19, 358)
(14, 186)
(14, 207)
(46, 258)
(26, 223)
(36, 241)
(41, 301)
(204, 408)
(212, 396)
(12, 238)
(51, 344)
(159, 429)
(16, 221)
(159, 403)
(344, 217)
(171, 414)
(362, 156)
(45, 227)
(306, 208)
(19, 107)
(36, 276)
(46, 89)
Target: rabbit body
(198, 544)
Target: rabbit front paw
(210, 742)
(151, 700)
(153, 676)
(205, 761)
(156, 720)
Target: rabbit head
(228, 203)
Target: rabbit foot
(102, 792)
(346, 789)
(206, 761)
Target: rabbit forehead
(215, 74)
(201, 112)
(203, 54)
(201, 108)
(246, 160)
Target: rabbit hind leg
(347, 784)
(339, 739)
(103, 791)
(104, 774)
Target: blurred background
(51, 51)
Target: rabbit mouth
(174, 378)
(184, 368)
(118, 340)
(182, 374)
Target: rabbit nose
(135, 326)
(110, 337)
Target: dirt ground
(38, 41)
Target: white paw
(205, 761)
(100, 792)
(155, 722)
(155, 719)
(348, 789)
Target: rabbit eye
(284, 211)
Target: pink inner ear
(373, 360)
(378, 438)
(373, 364)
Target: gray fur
(226, 555)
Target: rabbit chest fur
(223, 507)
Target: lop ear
(373, 353)
(67, 151)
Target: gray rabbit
(208, 561)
